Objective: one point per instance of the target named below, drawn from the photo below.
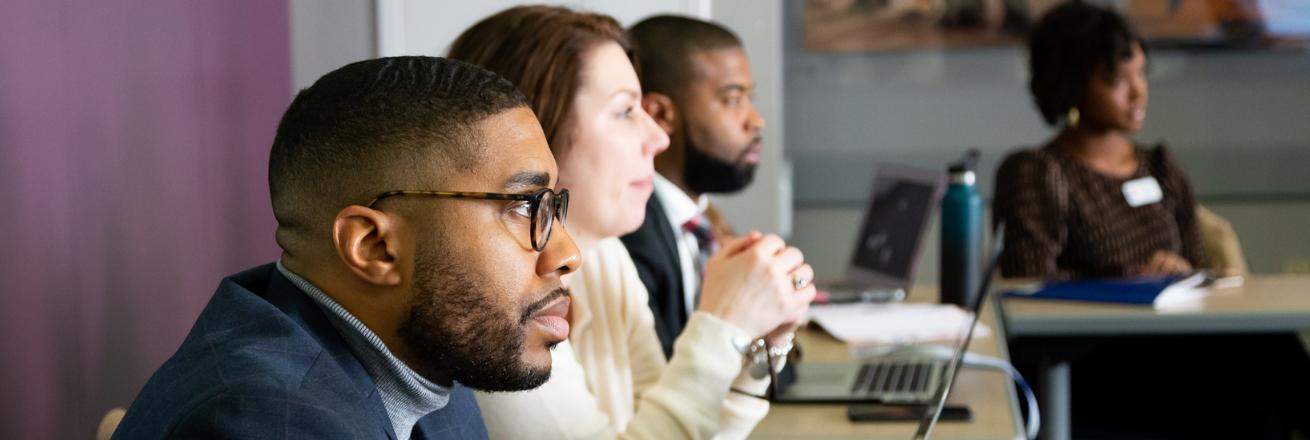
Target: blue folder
(1136, 290)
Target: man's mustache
(542, 303)
(744, 151)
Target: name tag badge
(1142, 192)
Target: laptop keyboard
(897, 377)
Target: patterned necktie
(699, 227)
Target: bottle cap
(966, 164)
(966, 177)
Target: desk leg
(1055, 400)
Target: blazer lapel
(668, 242)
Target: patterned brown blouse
(1064, 220)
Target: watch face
(759, 368)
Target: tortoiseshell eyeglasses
(544, 206)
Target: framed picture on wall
(891, 25)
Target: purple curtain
(134, 140)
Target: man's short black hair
(1066, 46)
(375, 126)
(666, 44)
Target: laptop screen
(952, 370)
(895, 221)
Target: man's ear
(366, 240)
(660, 107)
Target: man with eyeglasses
(422, 254)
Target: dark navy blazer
(264, 362)
(654, 251)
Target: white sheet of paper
(1184, 295)
(861, 324)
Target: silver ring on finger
(799, 281)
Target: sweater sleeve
(1184, 209)
(690, 399)
(703, 367)
(741, 412)
(1031, 197)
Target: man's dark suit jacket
(263, 361)
(655, 252)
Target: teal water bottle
(962, 235)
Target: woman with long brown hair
(610, 379)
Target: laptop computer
(887, 247)
(910, 379)
(934, 410)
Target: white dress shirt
(679, 208)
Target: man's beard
(706, 174)
(447, 333)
